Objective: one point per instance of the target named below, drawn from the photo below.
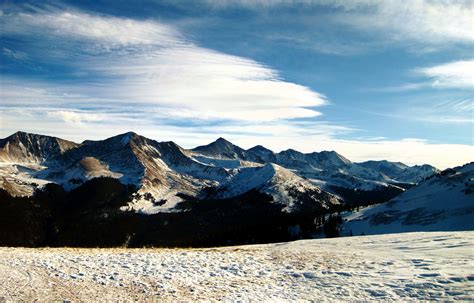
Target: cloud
(17, 55)
(432, 22)
(399, 88)
(457, 74)
(149, 62)
(422, 25)
(79, 25)
(76, 118)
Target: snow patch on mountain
(18, 179)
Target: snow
(225, 163)
(271, 179)
(144, 206)
(441, 203)
(397, 267)
(18, 177)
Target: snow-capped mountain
(334, 173)
(223, 149)
(23, 147)
(164, 172)
(131, 190)
(401, 172)
(442, 202)
(285, 187)
(223, 153)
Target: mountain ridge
(164, 171)
(442, 202)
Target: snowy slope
(390, 268)
(329, 169)
(23, 147)
(401, 172)
(441, 203)
(284, 186)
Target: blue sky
(372, 80)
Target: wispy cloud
(80, 25)
(419, 25)
(433, 22)
(149, 62)
(75, 118)
(17, 55)
(457, 74)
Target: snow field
(395, 267)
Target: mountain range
(129, 190)
(164, 172)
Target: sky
(369, 79)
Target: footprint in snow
(428, 275)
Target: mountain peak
(221, 140)
(125, 138)
(260, 148)
(291, 151)
(221, 148)
(19, 133)
(220, 143)
(33, 148)
(22, 134)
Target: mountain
(161, 170)
(401, 172)
(23, 147)
(285, 187)
(164, 172)
(223, 149)
(264, 153)
(336, 174)
(441, 202)
(131, 190)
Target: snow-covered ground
(400, 267)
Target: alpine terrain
(131, 190)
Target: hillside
(440, 203)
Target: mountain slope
(291, 191)
(223, 149)
(160, 170)
(401, 172)
(441, 203)
(23, 147)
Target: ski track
(406, 267)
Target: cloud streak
(457, 74)
(419, 25)
(149, 62)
